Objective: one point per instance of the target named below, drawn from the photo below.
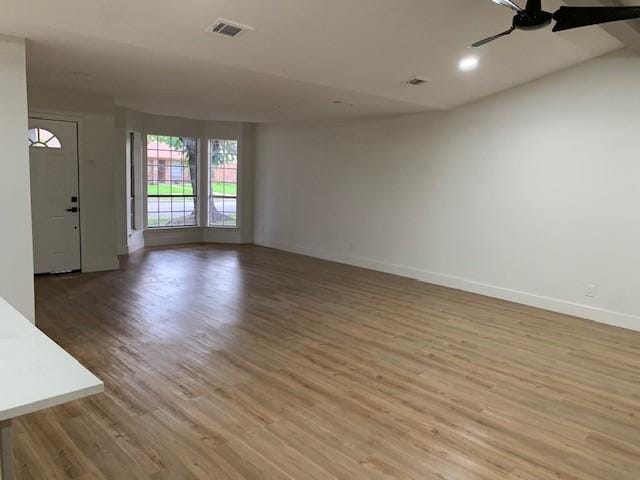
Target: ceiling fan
(532, 17)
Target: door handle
(72, 209)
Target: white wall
(530, 195)
(98, 152)
(16, 250)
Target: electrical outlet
(591, 291)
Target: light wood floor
(249, 363)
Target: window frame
(145, 191)
(210, 194)
(132, 182)
(39, 143)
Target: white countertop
(35, 373)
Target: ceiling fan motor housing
(533, 17)
(527, 20)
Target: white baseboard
(601, 315)
(100, 264)
(136, 242)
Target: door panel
(54, 181)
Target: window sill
(169, 229)
(208, 227)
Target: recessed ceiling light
(468, 63)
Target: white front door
(55, 205)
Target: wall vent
(227, 28)
(416, 81)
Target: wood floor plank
(242, 363)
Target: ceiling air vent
(228, 29)
(415, 81)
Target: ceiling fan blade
(509, 4)
(491, 39)
(575, 17)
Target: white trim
(157, 237)
(601, 315)
(222, 235)
(101, 264)
(140, 171)
(203, 180)
(135, 241)
(145, 180)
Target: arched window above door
(42, 138)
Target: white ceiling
(154, 55)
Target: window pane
(191, 217)
(161, 170)
(171, 164)
(164, 219)
(230, 189)
(152, 220)
(164, 204)
(152, 212)
(152, 172)
(184, 211)
(39, 137)
(231, 147)
(45, 135)
(231, 161)
(217, 188)
(223, 178)
(164, 211)
(54, 143)
(216, 213)
(177, 219)
(230, 176)
(230, 206)
(177, 188)
(177, 204)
